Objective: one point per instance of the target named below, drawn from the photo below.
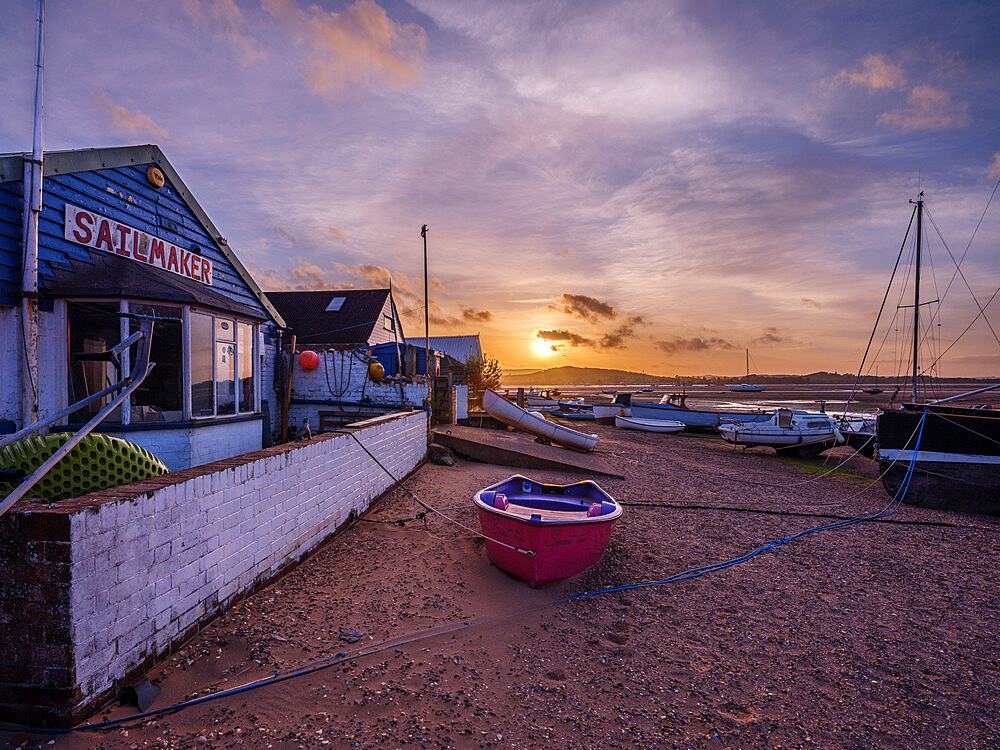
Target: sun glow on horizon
(542, 348)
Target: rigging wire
(988, 302)
(861, 367)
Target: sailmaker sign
(101, 233)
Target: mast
(748, 365)
(916, 290)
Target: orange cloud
(133, 122)
(227, 14)
(994, 168)
(336, 233)
(927, 108)
(359, 46)
(875, 73)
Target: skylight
(335, 304)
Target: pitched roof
(88, 159)
(307, 316)
(459, 347)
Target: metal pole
(427, 329)
(916, 292)
(29, 270)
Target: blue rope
(454, 627)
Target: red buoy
(309, 360)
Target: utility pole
(427, 325)
(29, 269)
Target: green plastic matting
(95, 463)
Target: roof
(306, 314)
(112, 276)
(459, 347)
(88, 159)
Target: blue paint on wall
(123, 194)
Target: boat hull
(563, 546)
(694, 417)
(648, 425)
(606, 413)
(536, 424)
(957, 466)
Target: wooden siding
(379, 334)
(123, 194)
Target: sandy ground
(882, 634)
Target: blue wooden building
(120, 235)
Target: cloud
(227, 14)
(875, 73)
(811, 303)
(561, 334)
(620, 336)
(336, 233)
(772, 335)
(994, 168)
(133, 122)
(360, 46)
(472, 315)
(927, 108)
(583, 307)
(694, 344)
(285, 235)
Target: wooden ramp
(518, 450)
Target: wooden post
(288, 393)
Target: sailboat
(874, 390)
(747, 387)
(944, 456)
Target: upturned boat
(544, 532)
(804, 433)
(536, 424)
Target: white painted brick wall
(146, 569)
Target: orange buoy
(309, 360)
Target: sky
(650, 185)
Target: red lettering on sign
(104, 236)
(139, 246)
(83, 233)
(172, 263)
(195, 266)
(206, 271)
(123, 232)
(185, 263)
(156, 255)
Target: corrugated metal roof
(459, 347)
(307, 316)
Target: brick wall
(183, 447)
(109, 583)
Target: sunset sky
(643, 185)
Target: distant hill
(598, 376)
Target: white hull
(648, 425)
(606, 413)
(536, 424)
(784, 430)
(747, 388)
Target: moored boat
(674, 407)
(556, 531)
(649, 425)
(606, 413)
(806, 434)
(748, 387)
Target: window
(94, 327)
(222, 377)
(335, 304)
(160, 397)
(219, 362)
(387, 323)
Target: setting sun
(542, 348)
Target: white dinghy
(648, 425)
(512, 414)
(806, 433)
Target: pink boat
(565, 527)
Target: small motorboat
(806, 434)
(558, 530)
(649, 425)
(675, 407)
(535, 423)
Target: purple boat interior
(583, 497)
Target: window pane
(224, 330)
(245, 345)
(202, 348)
(158, 399)
(94, 327)
(225, 377)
